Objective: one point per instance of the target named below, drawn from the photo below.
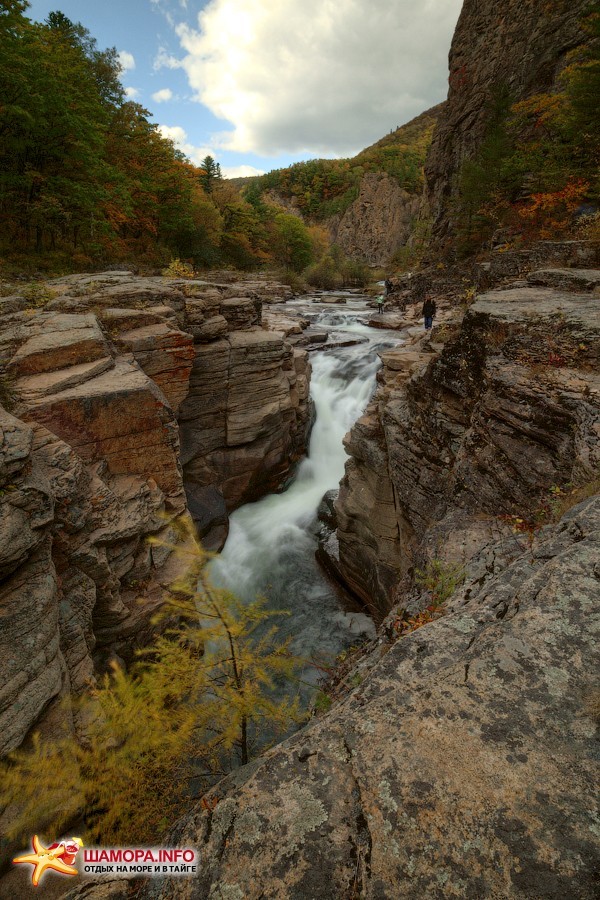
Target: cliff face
(452, 764)
(378, 222)
(508, 409)
(245, 420)
(90, 462)
(516, 45)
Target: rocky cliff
(516, 45)
(378, 222)
(95, 370)
(458, 760)
(244, 422)
(462, 766)
(481, 426)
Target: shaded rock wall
(518, 45)
(245, 421)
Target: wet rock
(326, 510)
(209, 511)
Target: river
(271, 546)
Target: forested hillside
(86, 178)
(321, 188)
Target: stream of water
(271, 546)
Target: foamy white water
(271, 546)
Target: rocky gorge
(479, 425)
(457, 754)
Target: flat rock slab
(535, 303)
(567, 279)
(33, 387)
(387, 320)
(61, 341)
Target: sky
(259, 84)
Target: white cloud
(127, 60)
(179, 136)
(132, 93)
(240, 171)
(163, 95)
(321, 76)
(173, 133)
(164, 60)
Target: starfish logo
(58, 857)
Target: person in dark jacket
(388, 287)
(429, 311)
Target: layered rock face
(378, 222)
(245, 421)
(90, 469)
(462, 766)
(519, 46)
(90, 461)
(507, 410)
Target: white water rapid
(271, 546)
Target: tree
(191, 706)
(209, 172)
(293, 247)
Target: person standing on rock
(429, 311)
(380, 303)
(388, 287)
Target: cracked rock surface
(462, 767)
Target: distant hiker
(429, 311)
(380, 303)
(388, 287)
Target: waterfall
(271, 546)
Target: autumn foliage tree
(192, 707)
(86, 177)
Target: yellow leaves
(541, 108)
(192, 705)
